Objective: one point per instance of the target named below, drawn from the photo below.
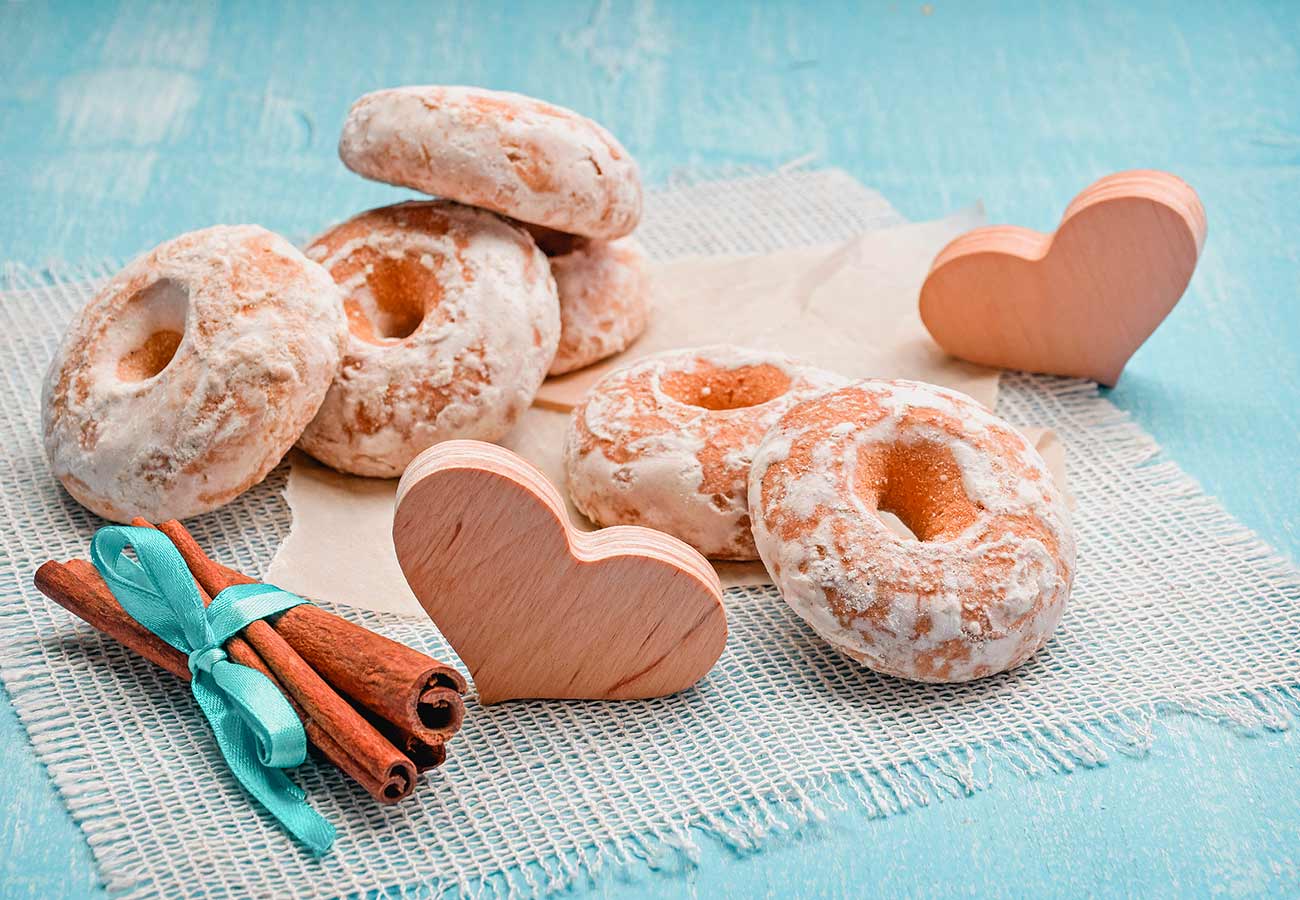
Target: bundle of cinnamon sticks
(378, 710)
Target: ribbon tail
(278, 735)
(269, 786)
(288, 803)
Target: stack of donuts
(187, 378)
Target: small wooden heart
(537, 609)
(1080, 301)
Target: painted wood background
(124, 123)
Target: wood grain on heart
(1079, 301)
(537, 609)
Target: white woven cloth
(1176, 606)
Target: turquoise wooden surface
(124, 123)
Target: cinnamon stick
(77, 587)
(426, 756)
(415, 692)
(374, 763)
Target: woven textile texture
(1176, 607)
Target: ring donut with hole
(453, 321)
(188, 376)
(505, 152)
(604, 289)
(667, 441)
(983, 584)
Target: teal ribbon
(257, 730)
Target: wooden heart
(538, 609)
(1077, 302)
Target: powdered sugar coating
(518, 156)
(983, 587)
(134, 429)
(604, 289)
(667, 441)
(453, 322)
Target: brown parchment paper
(849, 307)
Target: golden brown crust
(453, 321)
(604, 290)
(984, 583)
(666, 441)
(183, 382)
(505, 152)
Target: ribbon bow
(257, 730)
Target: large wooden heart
(1080, 301)
(538, 609)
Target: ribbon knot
(204, 658)
(257, 730)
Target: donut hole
(155, 317)
(921, 485)
(396, 294)
(715, 388)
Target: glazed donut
(604, 289)
(667, 440)
(453, 322)
(984, 584)
(188, 376)
(505, 152)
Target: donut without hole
(190, 374)
(505, 152)
(983, 585)
(667, 441)
(604, 289)
(453, 322)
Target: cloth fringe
(760, 818)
